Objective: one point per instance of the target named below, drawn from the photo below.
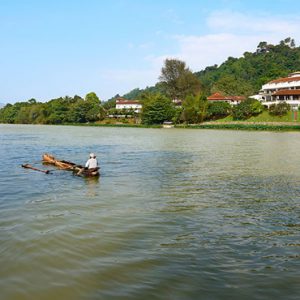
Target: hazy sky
(55, 48)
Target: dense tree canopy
(56, 111)
(177, 80)
(194, 108)
(247, 109)
(246, 75)
(218, 110)
(157, 109)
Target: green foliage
(133, 94)
(231, 85)
(177, 80)
(218, 110)
(258, 127)
(177, 115)
(92, 98)
(111, 103)
(279, 109)
(9, 112)
(157, 109)
(246, 109)
(236, 76)
(194, 108)
(245, 75)
(56, 111)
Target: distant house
(122, 103)
(285, 89)
(232, 100)
(177, 102)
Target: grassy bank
(265, 117)
(213, 125)
(243, 126)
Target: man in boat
(91, 164)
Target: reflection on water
(92, 185)
(175, 214)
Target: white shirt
(91, 163)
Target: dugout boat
(70, 166)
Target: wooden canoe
(69, 166)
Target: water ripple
(175, 215)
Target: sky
(55, 48)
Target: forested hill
(245, 75)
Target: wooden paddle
(27, 166)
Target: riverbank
(240, 125)
(237, 125)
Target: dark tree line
(56, 111)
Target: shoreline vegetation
(238, 125)
(262, 122)
(248, 126)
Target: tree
(230, 85)
(177, 80)
(156, 109)
(247, 109)
(94, 110)
(92, 98)
(194, 108)
(262, 47)
(279, 109)
(218, 110)
(8, 113)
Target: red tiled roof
(128, 102)
(286, 92)
(216, 96)
(125, 101)
(220, 97)
(238, 98)
(286, 79)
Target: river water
(176, 214)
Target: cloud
(231, 21)
(231, 34)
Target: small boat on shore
(70, 166)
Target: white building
(283, 89)
(122, 103)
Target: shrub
(157, 109)
(247, 109)
(218, 110)
(279, 109)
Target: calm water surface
(176, 214)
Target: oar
(27, 166)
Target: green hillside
(244, 75)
